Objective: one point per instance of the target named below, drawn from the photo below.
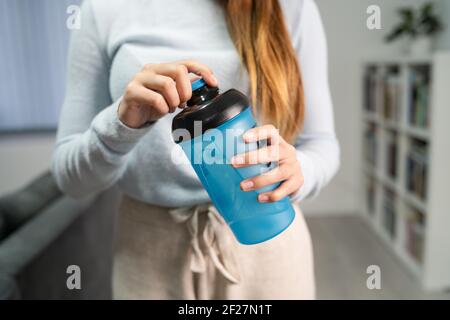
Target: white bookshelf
(415, 226)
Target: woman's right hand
(159, 89)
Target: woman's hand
(288, 171)
(159, 89)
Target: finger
(262, 155)
(164, 85)
(285, 189)
(143, 96)
(180, 74)
(183, 83)
(280, 173)
(159, 104)
(266, 132)
(202, 71)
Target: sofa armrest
(21, 247)
(18, 207)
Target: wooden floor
(343, 249)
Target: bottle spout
(201, 93)
(197, 84)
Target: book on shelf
(371, 81)
(370, 194)
(392, 96)
(370, 144)
(391, 156)
(414, 233)
(419, 100)
(417, 169)
(382, 92)
(389, 216)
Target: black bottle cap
(209, 107)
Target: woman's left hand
(288, 171)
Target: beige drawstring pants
(190, 253)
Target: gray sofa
(42, 232)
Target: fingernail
(263, 198)
(247, 185)
(237, 160)
(183, 105)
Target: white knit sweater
(117, 37)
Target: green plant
(421, 22)
(428, 22)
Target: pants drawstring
(216, 237)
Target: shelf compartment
(417, 169)
(371, 85)
(391, 154)
(371, 143)
(392, 94)
(371, 194)
(418, 103)
(414, 233)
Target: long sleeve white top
(94, 150)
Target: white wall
(444, 39)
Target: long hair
(260, 35)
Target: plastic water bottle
(210, 133)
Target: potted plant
(418, 27)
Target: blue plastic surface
(252, 222)
(198, 84)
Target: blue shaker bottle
(210, 133)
